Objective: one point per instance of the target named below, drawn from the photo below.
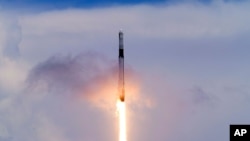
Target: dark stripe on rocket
(121, 54)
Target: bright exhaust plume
(121, 108)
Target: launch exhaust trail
(121, 68)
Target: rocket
(121, 68)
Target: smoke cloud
(60, 95)
(88, 76)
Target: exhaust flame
(121, 107)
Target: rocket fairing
(121, 68)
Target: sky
(187, 69)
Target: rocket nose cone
(120, 33)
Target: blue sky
(58, 4)
(76, 3)
(82, 3)
(187, 69)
